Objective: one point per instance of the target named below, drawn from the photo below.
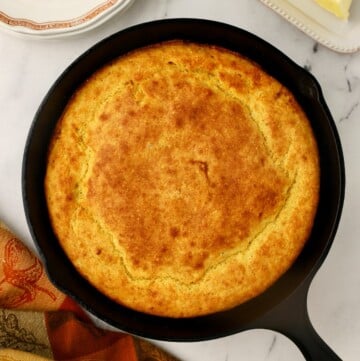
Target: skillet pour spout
(283, 306)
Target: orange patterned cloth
(38, 322)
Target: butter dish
(339, 35)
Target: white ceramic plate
(327, 29)
(52, 18)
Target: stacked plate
(53, 18)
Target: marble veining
(272, 345)
(350, 112)
(28, 67)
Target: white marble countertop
(28, 67)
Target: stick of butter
(340, 8)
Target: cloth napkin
(38, 322)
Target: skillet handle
(291, 318)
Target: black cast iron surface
(274, 309)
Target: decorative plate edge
(309, 31)
(53, 25)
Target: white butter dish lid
(339, 35)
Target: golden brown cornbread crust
(182, 179)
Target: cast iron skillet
(283, 307)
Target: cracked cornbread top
(182, 179)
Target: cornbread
(182, 179)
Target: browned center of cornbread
(184, 180)
(193, 181)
